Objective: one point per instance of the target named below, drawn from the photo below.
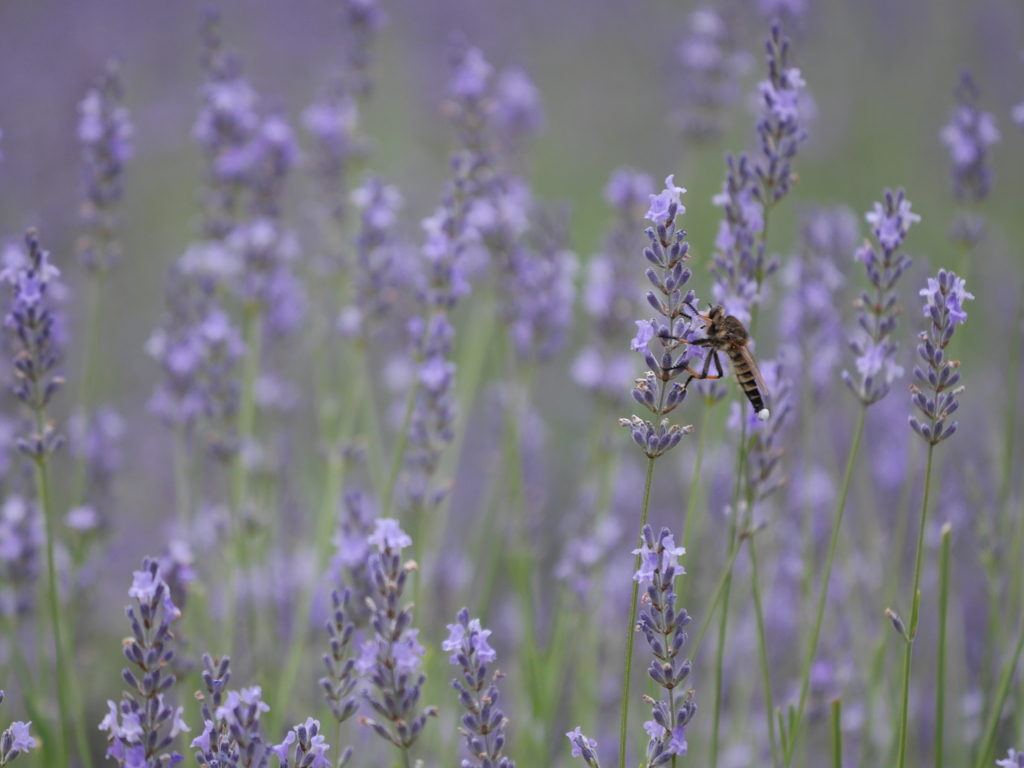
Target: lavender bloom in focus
(712, 65)
(15, 740)
(483, 724)
(309, 747)
(668, 251)
(392, 658)
(664, 628)
(141, 728)
(738, 264)
(610, 290)
(877, 311)
(944, 298)
(231, 734)
(105, 132)
(779, 126)
(32, 322)
(968, 136)
(583, 747)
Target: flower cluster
(231, 731)
(393, 657)
(15, 739)
(664, 628)
(198, 349)
(309, 747)
(943, 306)
(142, 728)
(765, 450)
(340, 680)
(483, 725)
(712, 66)
(609, 291)
(380, 272)
(779, 127)
(877, 310)
(968, 135)
(584, 747)
(669, 252)
(105, 131)
(32, 322)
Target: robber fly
(726, 334)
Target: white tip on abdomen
(763, 414)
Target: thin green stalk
(712, 605)
(986, 747)
(914, 613)
(769, 705)
(401, 438)
(940, 672)
(238, 554)
(837, 733)
(58, 643)
(624, 716)
(691, 501)
(741, 473)
(805, 674)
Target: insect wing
(758, 378)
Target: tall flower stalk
(876, 350)
(31, 321)
(657, 390)
(934, 395)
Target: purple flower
(105, 131)
(583, 747)
(943, 307)
(483, 724)
(1013, 759)
(968, 136)
(662, 202)
(15, 740)
(391, 659)
(340, 682)
(147, 722)
(878, 313)
(712, 63)
(309, 747)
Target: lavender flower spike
(668, 252)
(664, 628)
(309, 747)
(944, 298)
(877, 311)
(968, 135)
(584, 747)
(15, 740)
(483, 725)
(139, 729)
(393, 656)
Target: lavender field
(511, 382)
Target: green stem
(805, 674)
(401, 438)
(837, 733)
(763, 643)
(914, 613)
(986, 746)
(691, 501)
(624, 716)
(940, 672)
(716, 597)
(63, 673)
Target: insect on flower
(724, 333)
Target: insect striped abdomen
(747, 380)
